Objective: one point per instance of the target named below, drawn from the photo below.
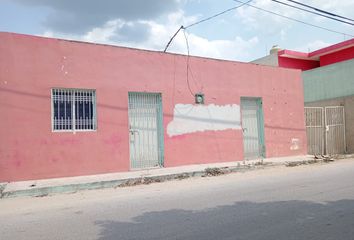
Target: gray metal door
(252, 127)
(145, 130)
(314, 117)
(335, 130)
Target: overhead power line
(218, 14)
(204, 20)
(319, 10)
(316, 13)
(296, 20)
(274, 13)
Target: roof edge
(118, 46)
(332, 48)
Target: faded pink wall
(295, 63)
(342, 55)
(30, 66)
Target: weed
(212, 172)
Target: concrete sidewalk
(74, 184)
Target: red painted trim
(294, 63)
(333, 48)
(315, 55)
(293, 54)
(343, 55)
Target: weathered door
(145, 130)
(335, 130)
(314, 117)
(252, 127)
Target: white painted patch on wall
(189, 118)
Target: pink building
(72, 108)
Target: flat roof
(315, 55)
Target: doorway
(252, 128)
(145, 130)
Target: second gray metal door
(252, 127)
(335, 130)
(145, 130)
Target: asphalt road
(306, 202)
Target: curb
(127, 182)
(2, 188)
(72, 188)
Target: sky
(243, 34)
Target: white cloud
(289, 34)
(235, 49)
(267, 23)
(242, 36)
(265, 29)
(313, 46)
(158, 34)
(79, 16)
(258, 19)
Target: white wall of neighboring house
(269, 60)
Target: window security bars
(73, 110)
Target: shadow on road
(243, 220)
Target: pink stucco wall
(30, 66)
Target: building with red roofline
(328, 80)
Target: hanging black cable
(290, 18)
(309, 11)
(188, 56)
(218, 14)
(296, 20)
(203, 20)
(319, 10)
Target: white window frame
(94, 120)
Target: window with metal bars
(73, 109)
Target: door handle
(132, 131)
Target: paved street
(306, 202)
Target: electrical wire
(201, 21)
(289, 18)
(188, 56)
(319, 10)
(309, 11)
(218, 14)
(296, 20)
(186, 39)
